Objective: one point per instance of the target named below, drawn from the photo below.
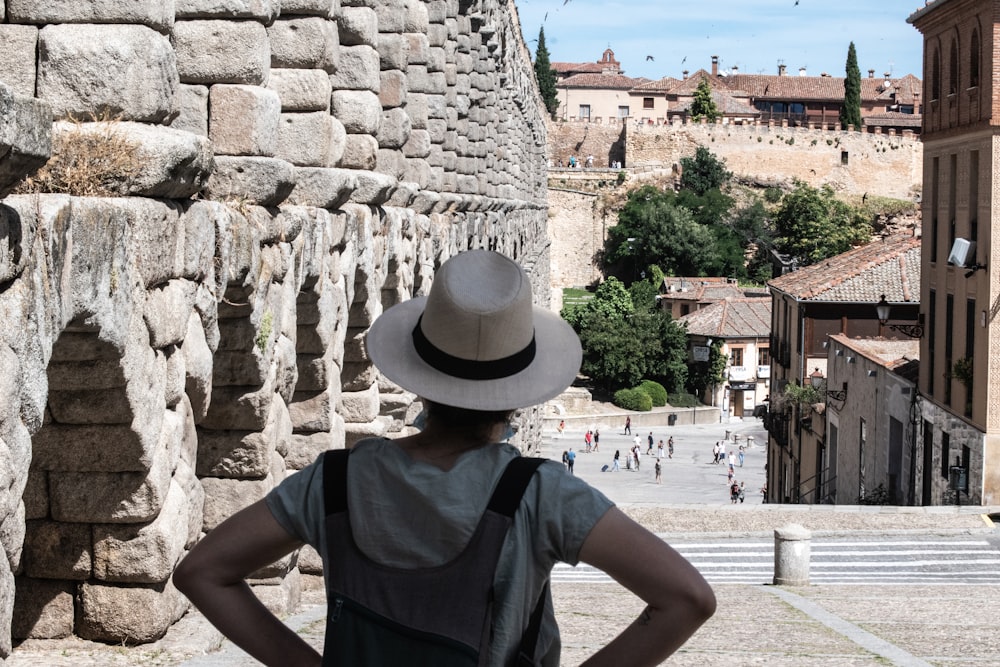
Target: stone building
(960, 285)
(175, 347)
(835, 296)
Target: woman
(474, 350)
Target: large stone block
(305, 447)
(43, 609)
(265, 181)
(18, 44)
(36, 495)
(222, 52)
(192, 110)
(353, 432)
(325, 188)
(304, 43)
(101, 497)
(123, 71)
(143, 553)
(325, 8)
(357, 68)
(393, 49)
(358, 26)
(153, 13)
(167, 310)
(25, 137)
(241, 454)
(311, 139)
(391, 162)
(301, 89)
(418, 144)
(239, 408)
(392, 89)
(132, 614)
(55, 550)
(359, 110)
(264, 11)
(312, 411)
(17, 236)
(360, 152)
(243, 120)
(225, 497)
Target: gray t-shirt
(407, 513)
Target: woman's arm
(678, 598)
(212, 577)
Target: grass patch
(88, 160)
(573, 296)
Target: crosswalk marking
(834, 561)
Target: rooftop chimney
(684, 74)
(888, 81)
(781, 70)
(736, 70)
(715, 65)
(871, 74)
(802, 71)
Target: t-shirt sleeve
(567, 510)
(297, 503)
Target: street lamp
(818, 381)
(882, 308)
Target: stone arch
(107, 500)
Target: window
(623, 112)
(974, 60)
(936, 75)
(935, 201)
(844, 158)
(736, 356)
(949, 344)
(585, 111)
(953, 68)
(647, 103)
(796, 107)
(945, 454)
(763, 356)
(973, 195)
(931, 339)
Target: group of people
(574, 163)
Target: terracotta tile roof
(578, 68)
(772, 86)
(689, 85)
(726, 102)
(900, 356)
(661, 85)
(894, 119)
(862, 275)
(706, 290)
(609, 81)
(732, 318)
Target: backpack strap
(510, 489)
(335, 480)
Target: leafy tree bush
(682, 399)
(655, 391)
(812, 224)
(545, 76)
(850, 113)
(704, 374)
(633, 399)
(703, 172)
(703, 106)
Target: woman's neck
(441, 446)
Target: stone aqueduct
(169, 355)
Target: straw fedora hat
(476, 341)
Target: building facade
(960, 350)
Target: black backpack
(433, 617)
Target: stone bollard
(791, 555)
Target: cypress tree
(850, 114)
(545, 76)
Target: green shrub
(633, 399)
(655, 391)
(773, 195)
(683, 400)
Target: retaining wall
(171, 354)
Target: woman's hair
(478, 423)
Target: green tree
(654, 229)
(812, 224)
(850, 113)
(703, 106)
(624, 342)
(703, 172)
(544, 75)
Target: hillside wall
(171, 353)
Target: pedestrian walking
(561, 427)
(597, 440)
(614, 463)
(658, 469)
(587, 438)
(741, 491)
(659, 450)
(628, 425)
(670, 447)
(732, 459)
(741, 456)
(734, 492)
(649, 441)
(570, 460)
(565, 458)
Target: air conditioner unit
(963, 253)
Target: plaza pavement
(906, 625)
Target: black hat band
(468, 369)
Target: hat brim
(557, 360)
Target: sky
(658, 38)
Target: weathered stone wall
(578, 225)
(170, 355)
(889, 165)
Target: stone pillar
(791, 555)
